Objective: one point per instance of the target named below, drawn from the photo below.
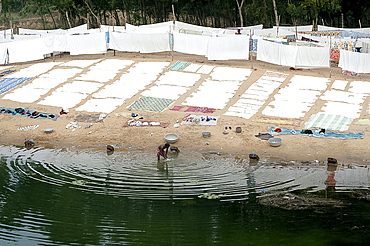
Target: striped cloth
(329, 122)
(179, 65)
(9, 83)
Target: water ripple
(138, 175)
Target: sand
(111, 130)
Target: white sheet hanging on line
(3, 51)
(293, 56)
(312, 57)
(88, 44)
(268, 52)
(29, 50)
(154, 42)
(126, 41)
(190, 44)
(354, 61)
(228, 48)
(57, 43)
(287, 53)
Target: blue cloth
(8, 83)
(316, 134)
(30, 113)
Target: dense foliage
(214, 13)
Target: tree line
(211, 13)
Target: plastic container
(275, 142)
(49, 130)
(171, 138)
(206, 134)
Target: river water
(86, 197)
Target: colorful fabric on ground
(316, 133)
(179, 65)
(152, 104)
(30, 113)
(279, 121)
(176, 108)
(88, 118)
(8, 83)
(200, 120)
(328, 121)
(133, 122)
(205, 110)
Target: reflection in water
(51, 197)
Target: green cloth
(329, 122)
(151, 104)
(179, 65)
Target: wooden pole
(173, 13)
(11, 30)
(114, 51)
(88, 21)
(171, 31)
(359, 22)
(251, 50)
(124, 13)
(342, 20)
(296, 32)
(276, 16)
(330, 56)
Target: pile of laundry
(30, 113)
(26, 128)
(73, 125)
(134, 122)
(200, 120)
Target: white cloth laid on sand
(296, 99)
(339, 84)
(63, 99)
(165, 91)
(230, 73)
(104, 105)
(178, 78)
(80, 63)
(33, 70)
(205, 69)
(361, 87)
(256, 95)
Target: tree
(240, 6)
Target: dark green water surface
(85, 197)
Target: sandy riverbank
(111, 130)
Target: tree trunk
(88, 6)
(118, 23)
(240, 7)
(276, 14)
(55, 25)
(69, 23)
